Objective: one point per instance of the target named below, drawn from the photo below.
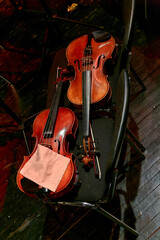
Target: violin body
(101, 51)
(66, 125)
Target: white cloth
(45, 167)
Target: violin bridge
(47, 145)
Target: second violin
(87, 54)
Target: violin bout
(94, 61)
(66, 125)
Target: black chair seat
(92, 188)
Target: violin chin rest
(101, 36)
(29, 186)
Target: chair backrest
(128, 12)
(121, 115)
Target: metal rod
(135, 139)
(17, 119)
(116, 220)
(97, 160)
(137, 78)
(135, 147)
(5, 79)
(99, 209)
(78, 22)
(49, 13)
(10, 112)
(26, 142)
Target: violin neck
(86, 90)
(89, 39)
(51, 120)
(88, 48)
(86, 94)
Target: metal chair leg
(135, 139)
(116, 220)
(137, 78)
(142, 156)
(99, 209)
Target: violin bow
(96, 162)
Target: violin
(90, 85)
(87, 54)
(52, 129)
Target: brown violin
(51, 128)
(90, 85)
(86, 54)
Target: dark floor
(137, 200)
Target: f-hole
(59, 145)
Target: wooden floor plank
(145, 106)
(136, 89)
(150, 229)
(152, 78)
(155, 234)
(138, 194)
(142, 56)
(85, 228)
(152, 157)
(147, 203)
(148, 125)
(148, 216)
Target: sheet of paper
(45, 167)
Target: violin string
(42, 139)
(89, 56)
(47, 128)
(90, 62)
(46, 140)
(49, 125)
(88, 66)
(46, 136)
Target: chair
(109, 135)
(124, 51)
